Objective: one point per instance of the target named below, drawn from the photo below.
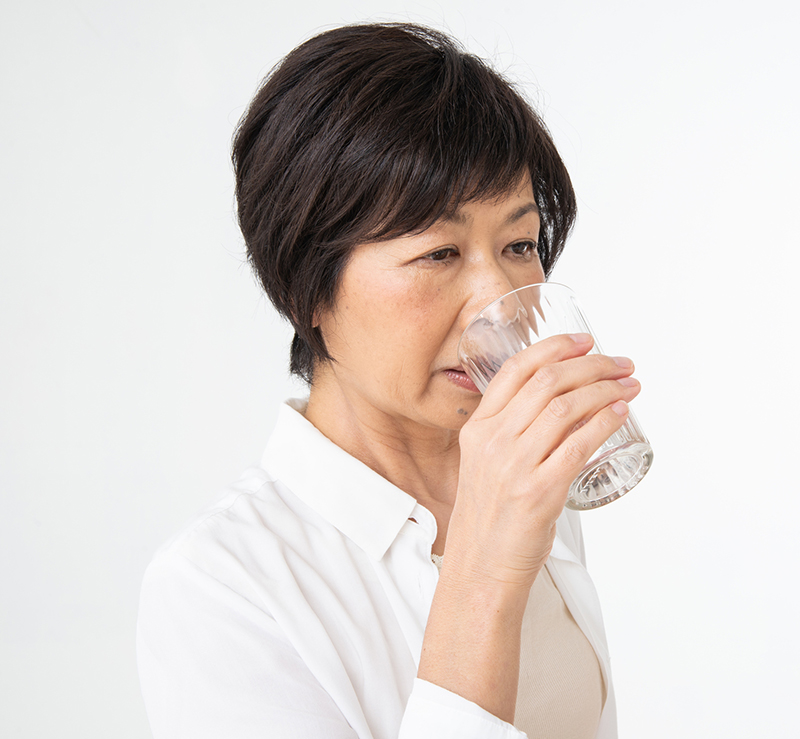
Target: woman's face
(403, 304)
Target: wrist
(472, 642)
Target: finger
(566, 414)
(518, 369)
(555, 380)
(571, 456)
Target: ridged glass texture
(523, 317)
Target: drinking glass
(523, 317)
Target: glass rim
(557, 285)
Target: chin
(455, 412)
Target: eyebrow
(521, 212)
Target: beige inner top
(561, 691)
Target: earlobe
(322, 314)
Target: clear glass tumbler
(523, 317)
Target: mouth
(457, 376)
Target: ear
(321, 314)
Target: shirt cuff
(433, 711)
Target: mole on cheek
(462, 412)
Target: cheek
(395, 325)
(422, 313)
(528, 275)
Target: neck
(421, 460)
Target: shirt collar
(566, 544)
(355, 499)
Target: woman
(389, 186)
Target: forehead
(510, 206)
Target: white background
(141, 368)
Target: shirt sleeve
(213, 665)
(433, 711)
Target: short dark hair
(369, 132)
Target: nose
(486, 282)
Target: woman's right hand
(548, 409)
(544, 414)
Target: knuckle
(575, 450)
(494, 448)
(546, 378)
(607, 422)
(483, 438)
(560, 408)
(562, 340)
(514, 363)
(608, 390)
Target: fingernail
(620, 408)
(628, 381)
(623, 362)
(581, 338)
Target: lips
(457, 376)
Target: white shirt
(295, 606)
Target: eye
(527, 249)
(441, 255)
